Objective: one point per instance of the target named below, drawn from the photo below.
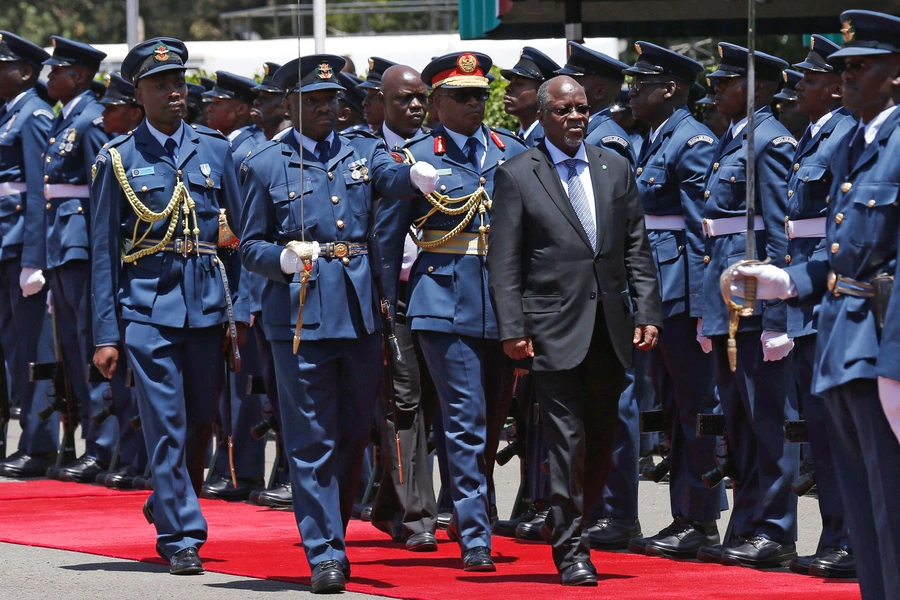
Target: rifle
(63, 397)
(4, 405)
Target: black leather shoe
(148, 514)
(685, 542)
(507, 528)
(140, 482)
(328, 578)
(713, 554)
(185, 562)
(638, 545)
(83, 470)
(759, 552)
(452, 531)
(581, 573)
(121, 480)
(222, 488)
(366, 513)
(478, 559)
(21, 464)
(837, 564)
(613, 534)
(531, 530)
(800, 564)
(424, 541)
(443, 520)
(277, 497)
(101, 478)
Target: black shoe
(508, 528)
(478, 559)
(148, 514)
(443, 520)
(613, 534)
(638, 545)
(328, 578)
(759, 552)
(83, 470)
(366, 513)
(101, 478)
(713, 554)
(424, 541)
(27, 465)
(531, 530)
(686, 542)
(222, 488)
(121, 480)
(581, 573)
(800, 564)
(837, 564)
(277, 497)
(185, 562)
(452, 531)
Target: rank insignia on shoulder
(615, 139)
(43, 112)
(784, 139)
(497, 140)
(440, 146)
(700, 138)
(98, 121)
(397, 157)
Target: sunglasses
(463, 96)
(581, 109)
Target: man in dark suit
(585, 266)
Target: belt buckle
(184, 247)
(341, 250)
(832, 282)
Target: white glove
(424, 176)
(889, 394)
(31, 281)
(776, 345)
(291, 262)
(772, 282)
(705, 342)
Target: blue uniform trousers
(868, 471)
(27, 336)
(457, 366)
(683, 379)
(327, 393)
(178, 374)
(267, 362)
(246, 412)
(821, 442)
(756, 401)
(70, 284)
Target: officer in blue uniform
(351, 99)
(758, 397)
(228, 111)
(166, 270)
(856, 373)
(122, 114)
(620, 110)
(786, 106)
(25, 122)
(819, 99)
(309, 233)
(670, 179)
(602, 77)
(448, 305)
(57, 238)
(520, 97)
(373, 112)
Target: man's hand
(105, 359)
(424, 176)
(772, 282)
(31, 281)
(518, 348)
(776, 345)
(705, 342)
(645, 337)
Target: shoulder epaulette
(208, 131)
(708, 139)
(118, 140)
(497, 140)
(355, 133)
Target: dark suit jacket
(545, 279)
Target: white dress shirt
(584, 173)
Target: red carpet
(255, 542)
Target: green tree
(494, 115)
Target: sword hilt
(737, 309)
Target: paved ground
(37, 573)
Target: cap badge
(53, 41)
(266, 69)
(849, 31)
(784, 76)
(161, 53)
(812, 43)
(467, 63)
(637, 47)
(1, 38)
(721, 52)
(324, 71)
(371, 64)
(107, 80)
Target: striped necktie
(579, 201)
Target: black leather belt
(838, 284)
(180, 246)
(343, 249)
